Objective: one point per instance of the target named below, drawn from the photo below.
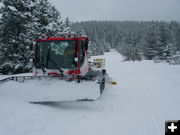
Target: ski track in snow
(146, 95)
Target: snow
(51, 90)
(5, 76)
(145, 96)
(12, 8)
(1, 4)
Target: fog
(146, 10)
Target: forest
(153, 40)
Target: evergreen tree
(151, 42)
(46, 19)
(67, 27)
(14, 40)
(167, 41)
(21, 23)
(175, 28)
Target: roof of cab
(61, 38)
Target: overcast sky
(147, 10)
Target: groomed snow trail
(146, 95)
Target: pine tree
(22, 22)
(151, 42)
(14, 42)
(67, 27)
(46, 19)
(175, 28)
(167, 41)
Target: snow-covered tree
(167, 41)
(22, 22)
(46, 19)
(15, 41)
(151, 42)
(67, 27)
(175, 28)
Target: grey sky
(81, 10)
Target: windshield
(55, 54)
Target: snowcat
(61, 72)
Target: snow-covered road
(146, 95)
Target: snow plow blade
(50, 90)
